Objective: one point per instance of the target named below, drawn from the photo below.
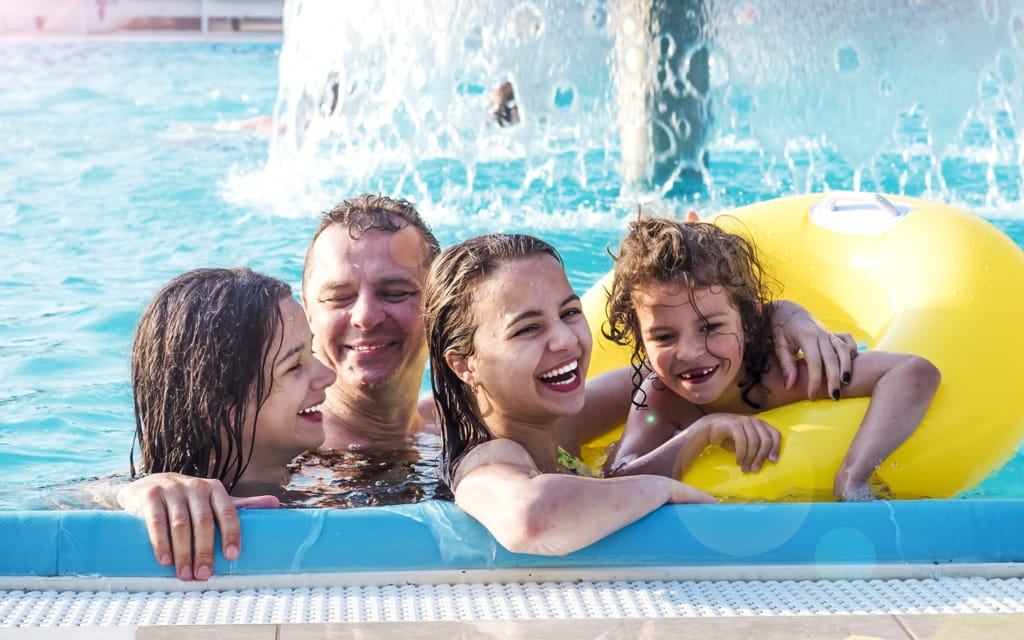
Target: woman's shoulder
(500, 451)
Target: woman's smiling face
(531, 345)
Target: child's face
(290, 420)
(698, 358)
(532, 343)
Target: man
(361, 288)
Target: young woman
(692, 300)
(509, 346)
(226, 388)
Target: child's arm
(667, 435)
(527, 511)
(901, 387)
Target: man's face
(363, 299)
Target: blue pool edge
(435, 541)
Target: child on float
(509, 346)
(693, 301)
(227, 391)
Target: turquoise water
(117, 173)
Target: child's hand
(751, 438)
(847, 488)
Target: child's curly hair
(696, 255)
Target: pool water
(117, 172)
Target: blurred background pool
(123, 163)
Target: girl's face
(532, 344)
(290, 420)
(699, 356)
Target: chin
(373, 382)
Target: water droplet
(564, 97)
(847, 59)
(598, 18)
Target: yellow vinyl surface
(939, 282)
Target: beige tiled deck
(884, 627)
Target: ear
(461, 366)
(305, 307)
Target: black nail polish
(835, 394)
(846, 377)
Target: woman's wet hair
(197, 363)
(449, 298)
(695, 255)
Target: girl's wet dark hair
(449, 297)
(197, 364)
(696, 255)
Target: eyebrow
(289, 353)
(705, 318)
(534, 313)
(347, 284)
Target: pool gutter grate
(528, 601)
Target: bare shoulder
(428, 414)
(502, 452)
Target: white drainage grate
(549, 600)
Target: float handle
(854, 212)
(831, 201)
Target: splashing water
(905, 97)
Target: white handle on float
(832, 199)
(855, 212)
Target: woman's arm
(553, 514)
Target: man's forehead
(338, 238)
(385, 256)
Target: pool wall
(435, 542)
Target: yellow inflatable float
(900, 274)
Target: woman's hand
(683, 493)
(797, 331)
(181, 515)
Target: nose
(690, 347)
(562, 337)
(367, 312)
(323, 376)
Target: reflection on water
(337, 479)
(367, 477)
